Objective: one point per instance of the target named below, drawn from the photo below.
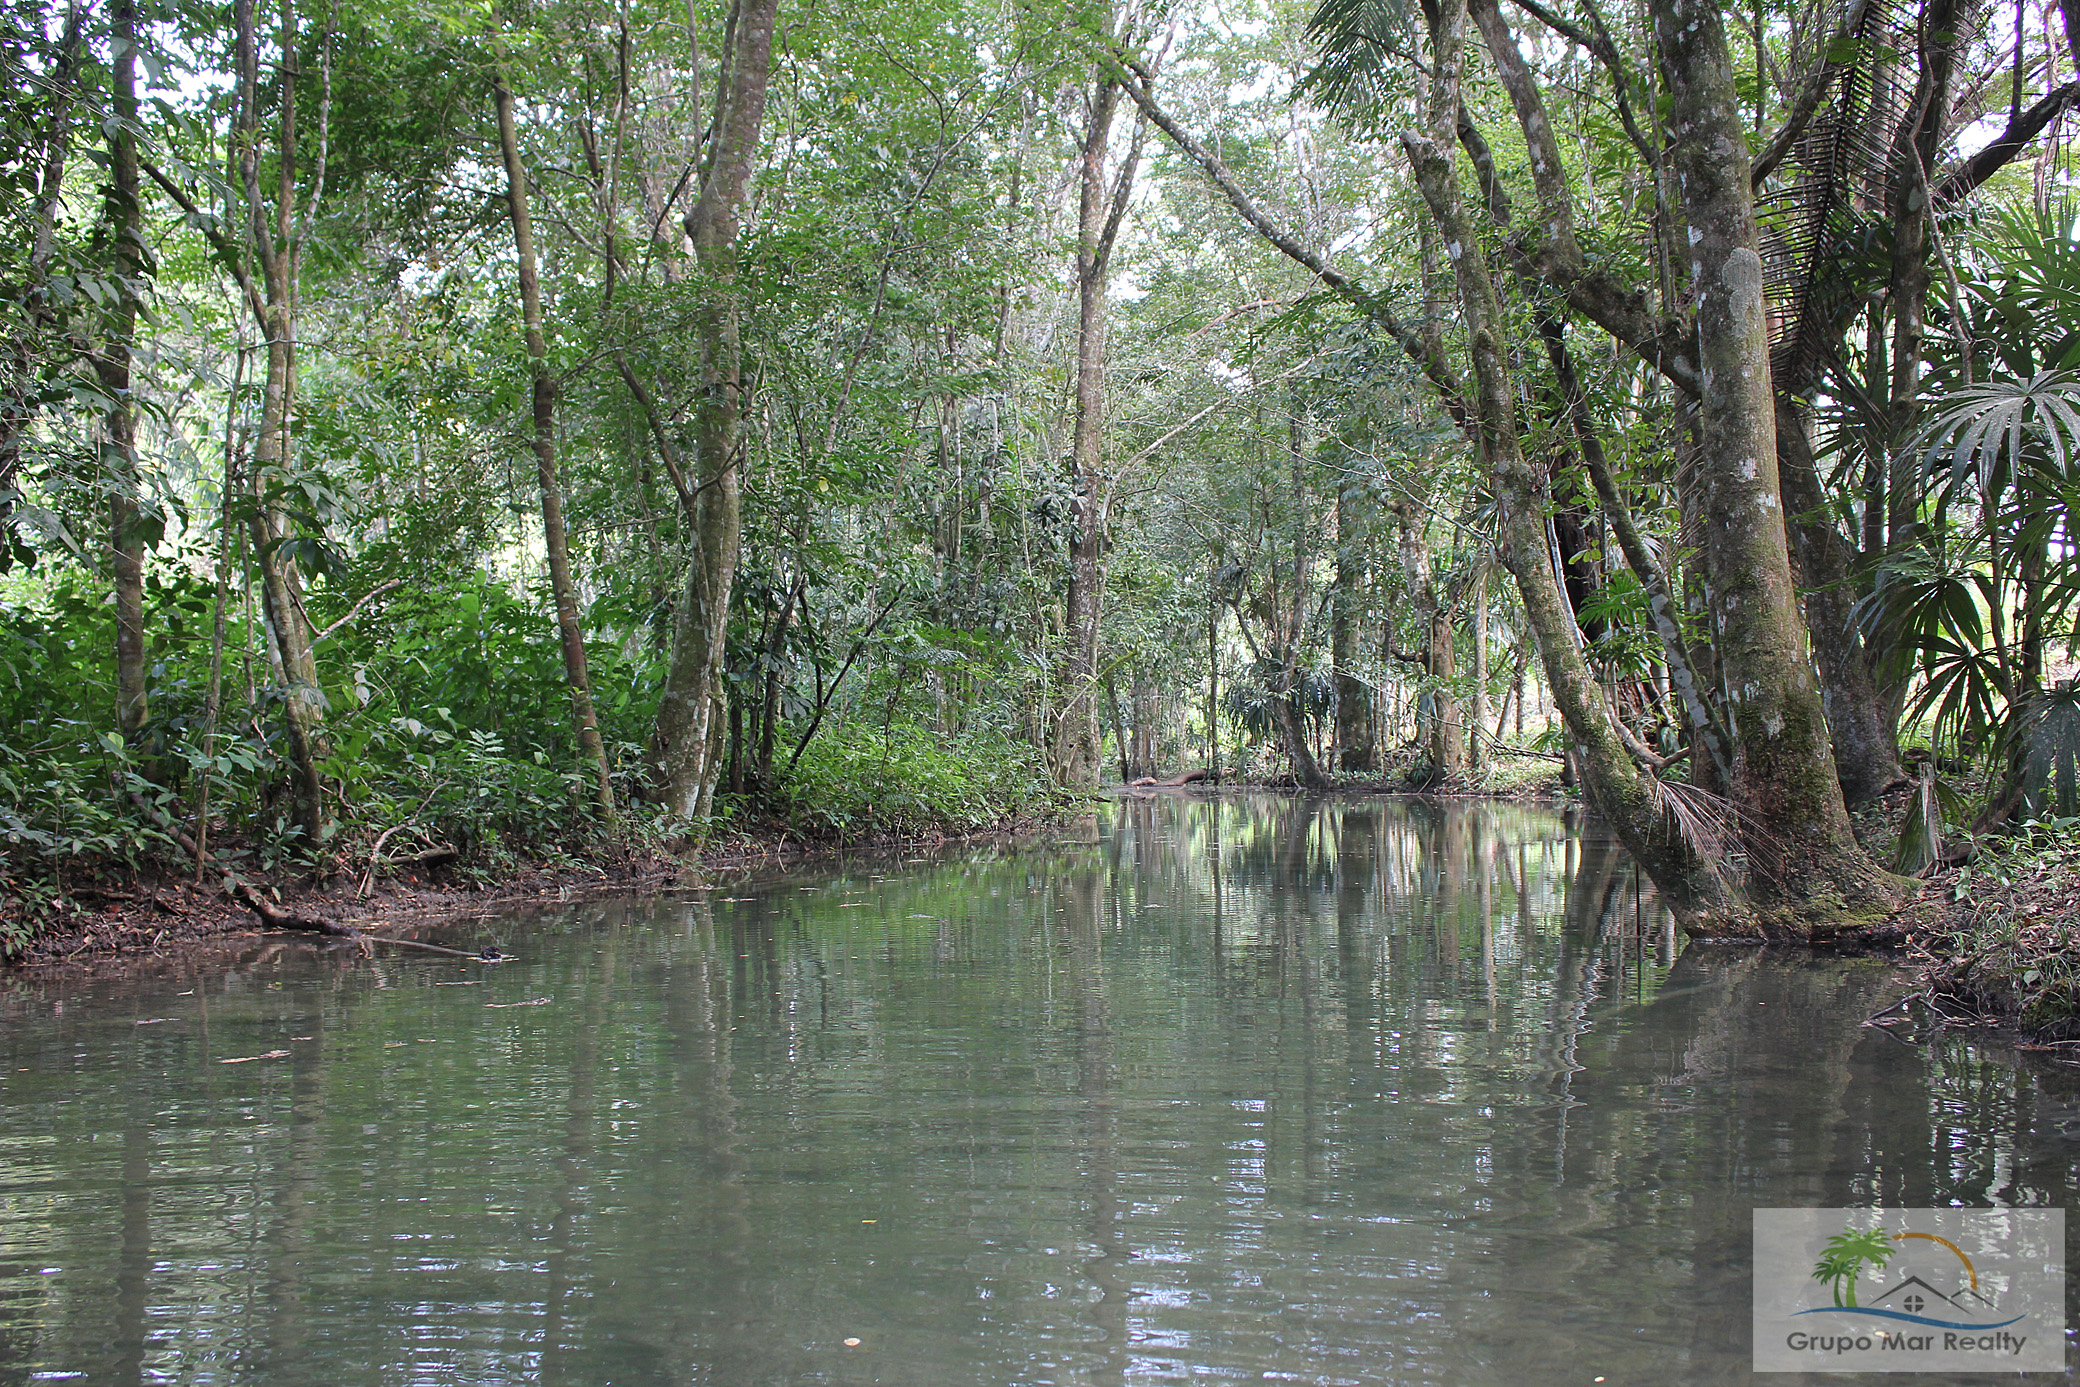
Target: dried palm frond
(1730, 845)
(1921, 835)
(1834, 186)
(1709, 826)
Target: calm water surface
(1220, 1091)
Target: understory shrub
(909, 780)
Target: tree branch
(1643, 753)
(214, 234)
(1960, 182)
(355, 610)
(1549, 250)
(666, 449)
(1429, 360)
(824, 697)
(1599, 44)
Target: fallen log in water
(1182, 778)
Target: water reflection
(1229, 1090)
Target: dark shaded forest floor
(133, 913)
(146, 914)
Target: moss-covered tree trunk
(1807, 875)
(1862, 722)
(1626, 797)
(271, 239)
(117, 443)
(1099, 207)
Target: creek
(1218, 1090)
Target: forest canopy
(470, 432)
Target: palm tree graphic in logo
(1845, 1254)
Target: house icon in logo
(1916, 1296)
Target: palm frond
(1998, 434)
(1725, 842)
(2049, 726)
(1364, 47)
(1709, 823)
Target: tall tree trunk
(1355, 734)
(275, 247)
(1292, 730)
(1442, 741)
(1913, 223)
(1806, 867)
(112, 362)
(1120, 743)
(1441, 659)
(1289, 620)
(1861, 723)
(1578, 555)
(213, 703)
(1142, 709)
(684, 747)
(1699, 717)
(1213, 679)
(1099, 212)
(1913, 215)
(1477, 725)
(544, 394)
